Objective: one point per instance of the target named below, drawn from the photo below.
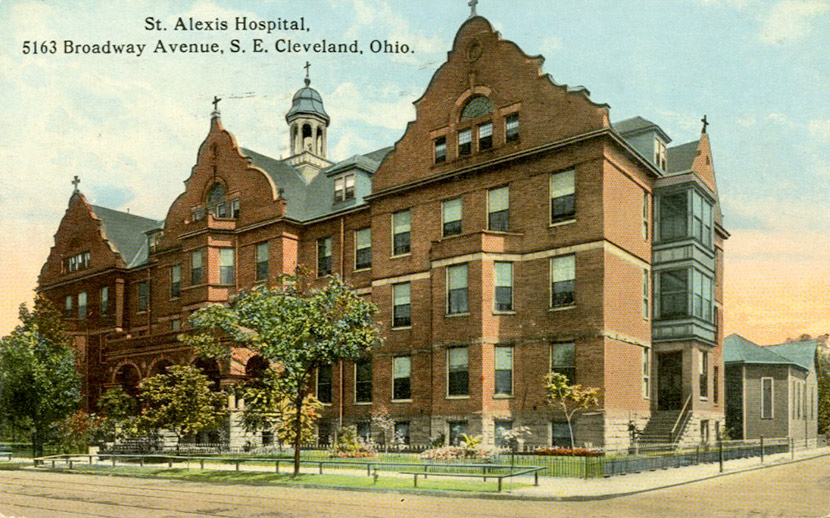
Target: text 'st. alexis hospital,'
(511, 231)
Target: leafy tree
(181, 401)
(295, 327)
(569, 398)
(39, 384)
(824, 394)
(383, 420)
(119, 411)
(76, 431)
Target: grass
(11, 466)
(305, 479)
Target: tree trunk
(298, 427)
(570, 427)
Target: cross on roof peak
(307, 67)
(216, 100)
(75, 182)
(705, 122)
(472, 4)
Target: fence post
(720, 454)
(762, 449)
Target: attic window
(344, 188)
(77, 262)
(476, 107)
(660, 154)
(216, 201)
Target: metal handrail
(680, 418)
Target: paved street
(800, 489)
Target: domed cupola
(308, 121)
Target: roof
(681, 158)
(634, 125)
(739, 350)
(803, 353)
(126, 233)
(307, 100)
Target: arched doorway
(128, 377)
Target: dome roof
(307, 101)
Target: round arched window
(476, 107)
(216, 194)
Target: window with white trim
(175, 281)
(562, 196)
(226, 266)
(457, 289)
(703, 370)
(646, 372)
(645, 293)
(660, 156)
(440, 150)
(511, 127)
(563, 359)
(503, 296)
(485, 136)
(457, 372)
(68, 305)
(402, 309)
(143, 291)
(465, 142)
(498, 209)
(262, 258)
(645, 214)
(401, 228)
(324, 256)
(402, 378)
(344, 187)
(504, 371)
(563, 280)
(363, 249)
(105, 299)
(451, 211)
(363, 381)
(82, 305)
(196, 267)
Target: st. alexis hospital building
(512, 230)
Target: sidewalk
(597, 489)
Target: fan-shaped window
(216, 194)
(476, 107)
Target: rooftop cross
(705, 123)
(307, 67)
(216, 103)
(75, 182)
(472, 4)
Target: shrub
(351, 445)
(470, 448)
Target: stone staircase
(659, 427)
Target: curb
(457, 494)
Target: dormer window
(344, 188)
(660, 157)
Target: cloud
(551, 45)
(388, 108)
(819, 129)
(789, 21)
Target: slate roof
(739, 350)
(803, 353)
(680, 158)
(126, 233)
(632, 125)
(307, 100)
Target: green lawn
(326, 480)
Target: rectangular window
(511, 127)
(143, 295)
(457, 430)
(105, 299)
(402, 378)
(715, 388)
(646, 372)
(504, 286)
(324, 383)
(344, 187)
(457, 289)
(363, 249)
(563, 360)
(457, 373)
(196, 267)
(645, 293)
(451, 217)
(660, 154)
(701, 296)
(363, 381)
(262, 257)
(221, 210)
(440, 150)
(77, 262)
(465, 138)
(563, 279)
(561, 434)
(502, 426)
(401, 227)
(707, 224)
(67, 309)
(485, 136)
(703, 365)
(402, 432)
(82, 305)
(175, 325)
(235, 209)
(645, 215)
(562, 196)
(673, 216)
(324, 256)
(504, 371)
(674, 295)
(402, 309)
(175, 281)
(226, 266)
(498, 209)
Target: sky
(130, 126)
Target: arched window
(476, 107)
(216, 201)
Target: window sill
(368, 268)
(362, 403)
(454, 315)
(402, 328)
(457, 397)
(562, 223)
(562, 308)
(511, 312)
(401, 401)
(175, 298)
(451, 236)
(401, 255)
(324, 404)
(504, 396)
(704, 399)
